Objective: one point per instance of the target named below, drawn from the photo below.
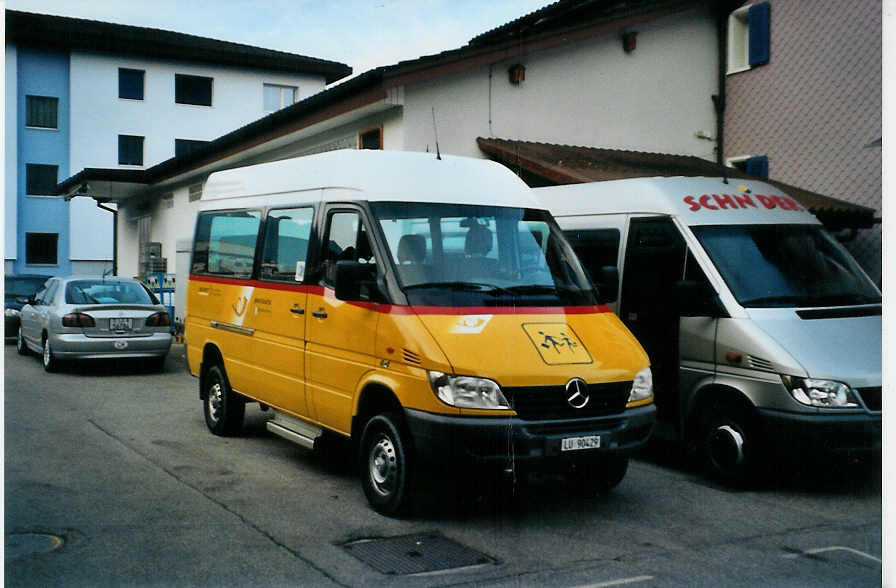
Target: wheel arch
(211, 355)
(708, 396)
(376, 396)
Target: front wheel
(731, 444)
(385, 464)
(224, 409)
(21, 346)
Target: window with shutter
(130, 150)
(42, 112)
(760, 29)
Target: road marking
(833, 548)
(619, 582)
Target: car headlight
(11, 312)
(467, 391)
(642, 386)
(820, 393)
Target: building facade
(118, 97)
(812, 107)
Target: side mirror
(32, 300)
(608, 284)
(24, 299)
(698, 299)
(354, 281)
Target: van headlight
(642, 386)
(467, 391)
(820, 393)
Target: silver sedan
(92, 318)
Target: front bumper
(500, 440)
(834, 433)
(76, 345)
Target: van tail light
(159, 319)
(78, 319)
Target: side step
(294, 429)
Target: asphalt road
(111, 478)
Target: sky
(361, 33)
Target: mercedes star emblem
(577, 393)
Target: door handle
(319, 314)
(297, 310)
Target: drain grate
(415, 554)
(19, 544)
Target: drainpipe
(114, 236)
(722, 10)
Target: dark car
(17, 290)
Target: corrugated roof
(569, 164)
(64, 33)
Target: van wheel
(21, 346)
(51, 364)
(385, 464)
(730, 443)
(601, 476)
(224, 408)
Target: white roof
(371, 175)
(696, 200)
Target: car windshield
(466, 255)
(786, 266)
(106, 292)
(15, 287)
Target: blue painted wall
(43, 73)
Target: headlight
(820, 393)
(467, 391)
(642, 386)
(11, 312)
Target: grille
(410, 356)
(759, 363)
(871, 398)
(549, 402)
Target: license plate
(576, 443)
(119, 324)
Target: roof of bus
(696, 200)
(375, 176)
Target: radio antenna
(435, 131)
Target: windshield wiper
(773, 300)
(462, 286)
(533, 289)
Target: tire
(51, 364)
(224, 409)
(731, 444)
(21, 346)
(385, 464)
(601, 476)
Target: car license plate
(576, 443)
(119, 324)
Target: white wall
(98, 116)
(588, 93)
(10, 211)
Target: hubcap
(20, 343)
(383, 466)
(726, 446)
(215, 399)
(47, 352)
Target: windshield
(465, 255)
(785, 266)
(106, 292)
(18, 287)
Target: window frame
(142, 150)
(280, 87)
(184, 77)
(29, 184)
(312, 242)
(28, 98)
(142, 73)
(255, 254)
(367, 131)
(28, 261)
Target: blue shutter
(760, 33)
(757, 166)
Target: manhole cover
(18, 544)
(415, 554)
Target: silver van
(763, 332)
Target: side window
(50, 292)
(595, 248)
(346, 240)
(286, 244)
(225, 243)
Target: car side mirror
(698, 299)
(355, 281)
(32, 300)
(23, 299)
(608, 284)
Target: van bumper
(831, 433)
(496, 440)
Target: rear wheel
(224, 409)
(51, 364)
(385, 464)
(21, 346)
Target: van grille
(410, 356)
(871, 397)
(759, 363)
(549, 402)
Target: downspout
(114, 236)
(718, 100)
